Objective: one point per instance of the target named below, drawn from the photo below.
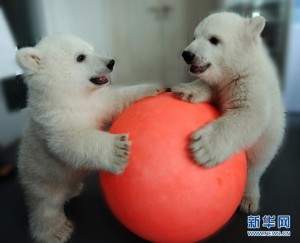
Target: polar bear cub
(69, 102)
(236, 73)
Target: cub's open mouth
(199, 69)
(99, 80)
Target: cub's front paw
(185, 92)
(120, 154)
(206, 148)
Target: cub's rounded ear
(29, 59)
(256, 26)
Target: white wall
(86, 19)
(292, 86)
(134, 34)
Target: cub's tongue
(99, 80)
(198, 69)
(103, 79)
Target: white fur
(63, 140)
(243, 82)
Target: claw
(125, 147)
(193, 138)
(205, 164)
(178, 94)
(196, 149)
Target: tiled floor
(94, 222)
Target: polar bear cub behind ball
(236, 73)
(69, 101)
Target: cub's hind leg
(47, 220)
(259, 156)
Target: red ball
(163, 195)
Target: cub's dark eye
(213, 40)
(194, 38)
(81, 58)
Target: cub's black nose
(111, 64)
(188, 56)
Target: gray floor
(94, 222)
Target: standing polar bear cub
(69, 101)
(236, 73)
